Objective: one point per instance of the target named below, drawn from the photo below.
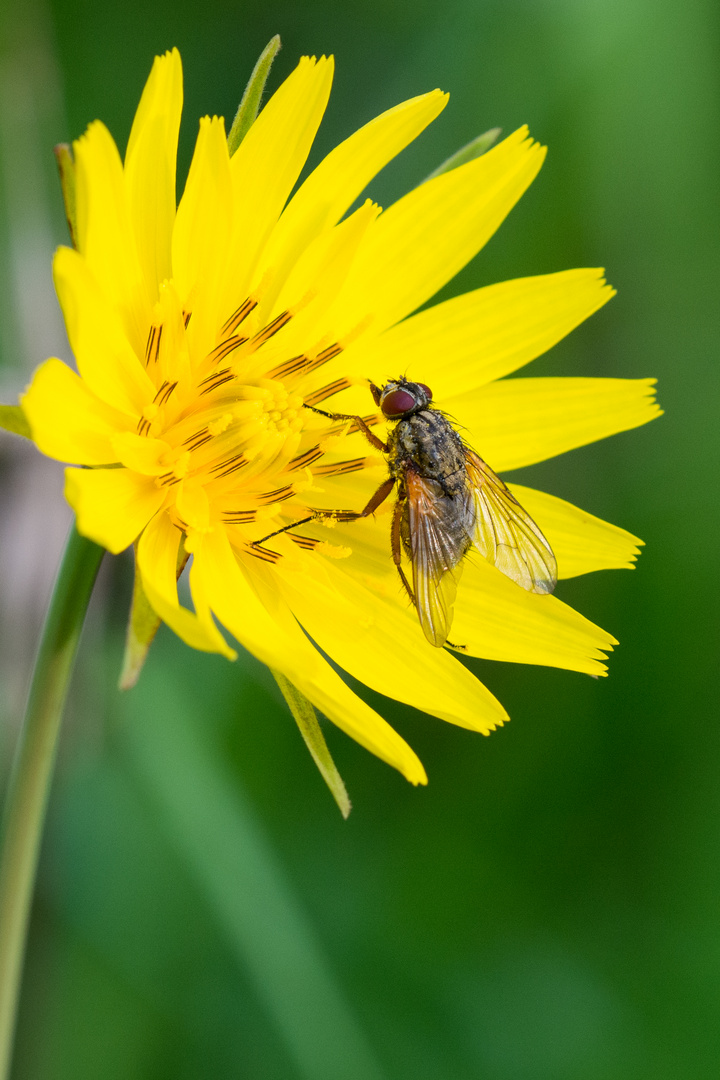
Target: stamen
(328, 516)
(329, 354)
(152, 348)
(271, 329)
(290, 367)
(303, 460)
(239, 517)
(213, 376)
(163, 394)
(263, 553)
(203, 435)
(304, 364)
(149, 344)
(187, 316)
(327, 391)
(305, 542)
(239, 316)
(228, 461)
(168, 479)
(279, 495)
(231, 465)
(224, 349)
(342, 468)
(201, 442)
(229, 377)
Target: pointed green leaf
(143, 625)
(12, 418)
(66, 168)
(474, 149)
(250, 104)
(307, 721)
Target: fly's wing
(438, 542)
(505, 533)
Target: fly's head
(401, 398)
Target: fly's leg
(372, 439)
(378, 498)
(396, 546)
(339, 515)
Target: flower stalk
(33, 766)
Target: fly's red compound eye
(397, 403)
(426, 389)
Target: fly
(448, 501)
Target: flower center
(236, 442)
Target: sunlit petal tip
(318, 61)
(95, 133)
(161, 97)
(527, 420)
(415, 773)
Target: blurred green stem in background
(32, 770)
(212, 826)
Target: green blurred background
(548, 908)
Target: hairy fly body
(448, 501)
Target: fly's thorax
(428, 442)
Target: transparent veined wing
(505, 533)
(438, 540)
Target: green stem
(32, 770)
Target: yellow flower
(201, 332)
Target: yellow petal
(202, 234)
(237, 605)
(472, 339)
(517, 422)
(425, 238)
(105, 358)
(113, 506)
(68, 422)
(378, 641)
(150, 168)
(494, 617)
(266, 628)
(338, 180)
(141, 454)
(157, 559)
(321, 271)
(193, 505)
(105, 237)
(497, 620)
(581, 542)
(334, 699)
(268, 162)
(204, 613)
